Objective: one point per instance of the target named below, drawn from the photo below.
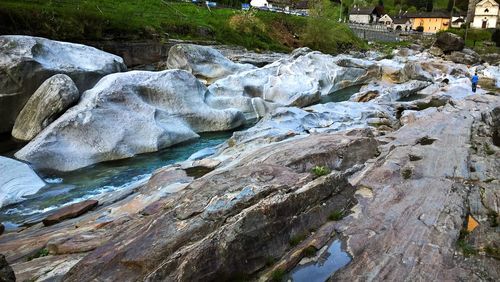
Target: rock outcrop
(297, 81)
(384, 92)
(224, 215)
(70, 211)
(466, 56)
(6, 272)
(127, 114)
(17, 180)
(417, 203)
(396, 175)
(48, 102)
(243, 56)
(204, 62)
(448, 42)
(26, 62)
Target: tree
(322, 32)
(495, 37)
(450, 5)
(429, 5)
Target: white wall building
(385, 20)
(259, 3)
(486, 14)
(363, 15)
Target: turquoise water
(329, 262)
(69, 187)
(66, 187)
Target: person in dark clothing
(475, 80)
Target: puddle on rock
(333, 259)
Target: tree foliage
(323, 33)
(496, 37)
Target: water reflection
(333, 259)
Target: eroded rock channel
(389, 180)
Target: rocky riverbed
(398, 179)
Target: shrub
(320, 171)
(336, 215)
(495, 37)
(247, 22)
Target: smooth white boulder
(204, 62)
(299, 80)
(49, 101)
(127, 114)
(26, 62)
(17, 180)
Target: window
(486, 10)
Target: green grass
(320, 171)
(40, 253)
(336, 215)
(295, 240)
(278, 275)
(309, 251)
(94, 20)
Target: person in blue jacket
(475, 80)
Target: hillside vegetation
(94, 20)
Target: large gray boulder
(448, 42)
(388, 92)
(299, 80)
(204, 62)
(414, 71)
(49, 101)
(290, 122)
(466, 56)
(26, 62)
(17, 180)
(127, 114)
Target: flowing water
(64, 188)
(333, 259)
(69, 187)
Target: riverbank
(100, 21)
(349, 152)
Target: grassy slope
(82, 20)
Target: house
(402, 23)
(430, 22)
(385, 20)
(259, 3)
(485, 14)
(361, 15)
(458, 19)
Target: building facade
(363, 15)
(486, 14)
(430, 22)
(385, 20)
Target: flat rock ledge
(70, 211)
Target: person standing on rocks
(475, 80)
